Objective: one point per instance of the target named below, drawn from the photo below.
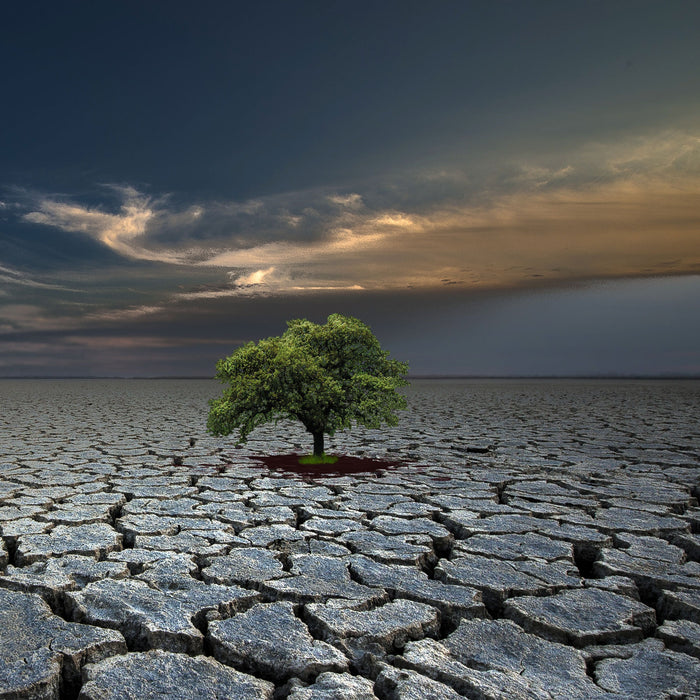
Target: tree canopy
(326, 376)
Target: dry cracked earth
(534, 540)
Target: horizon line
(669, 375)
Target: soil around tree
(345, 464)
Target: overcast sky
(497, 188)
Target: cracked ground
(520, 539)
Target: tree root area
(346, 464)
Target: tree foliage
(326, 376)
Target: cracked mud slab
(150, 618)
(156, 674)
(534, 540)
(583, 617)
(270, 640)
(651, 673)
(330, 686)
(41, 653)
(498, 659)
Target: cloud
(395, 219)
(119, 231)
(328, 263)
(540, 176)
(635, 213)
(633, 227)
(351, 201)
(667, 153)
(256, 283)
(608, 210)
(30, 317)
(336, 288)
(10, 347)
(117, 342)
(16, 277)
(124, 314)
(254, 278)
(215, 293)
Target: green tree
(325, 376)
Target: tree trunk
(318, 444)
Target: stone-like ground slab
(583, 617)
(41, 654)
(154, 675)
(271, 641)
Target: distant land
(650, 377)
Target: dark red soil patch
(344, 465)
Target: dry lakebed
(513, 539)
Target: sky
(498, 188)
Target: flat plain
(522, 539)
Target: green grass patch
(315, 459)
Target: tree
(325, 376)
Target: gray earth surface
(526, 539)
